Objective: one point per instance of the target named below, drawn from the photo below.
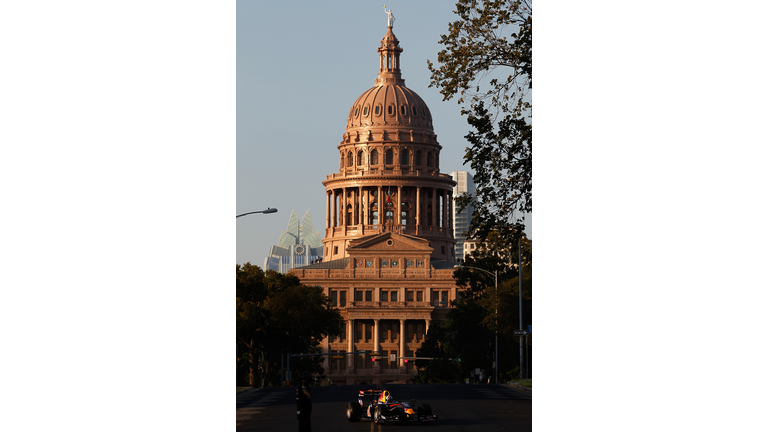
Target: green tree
(442, 369)
(487, 64)
(276, 314)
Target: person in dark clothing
(304, 403)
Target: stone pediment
(389, 242)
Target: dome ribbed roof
(389, 102)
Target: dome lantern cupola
(389, 60)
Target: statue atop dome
(390, 17)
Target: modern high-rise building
(389, 251)
(299, 245)
(464, 185)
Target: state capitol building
(389, 247)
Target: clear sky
(300, 66)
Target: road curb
(248, 390)
(519, 387)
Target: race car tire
(354, 412)
(377, 413)
(425, 409)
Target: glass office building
(299, 245)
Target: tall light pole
(268, 210)
(496, 295)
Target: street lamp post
(496, 294)
(268, 210)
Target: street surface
(459, 407)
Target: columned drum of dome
(389, 177)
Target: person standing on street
(304, 403)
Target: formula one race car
(384, 409)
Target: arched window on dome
(349, 159)
(414, 111)
(375, 157)
(389, 110)
(417, 158)
(429, 159)
(402, 110)
(389, 159)
(404, 157)
(360, 158)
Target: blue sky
(300, 66)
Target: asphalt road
(459, 407)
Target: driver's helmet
(385, 397)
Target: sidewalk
(513, 385)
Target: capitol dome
(389, 102)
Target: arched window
(360, 158)
(389, 157)
(389, 110)
(429, 159)
(375, 157)
(402, 109)
(404, 157)
(417, 158)
(349, 159)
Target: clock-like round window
(419, 263)
(369, 263)
(384, 263)
(299, 250)
(409, 263)
(359, 263)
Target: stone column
(426, 326)
(327, 211)
(434, 209)
(418, 208)
(382, 211)
(399, 209)
(343, 205)
(350, 345)
(360, 218)
(401, 363)
(333, 210)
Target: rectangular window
(343, 334)
(444, 299)
(368, 332)
(409, 295)
(358, 295)
(393, 295)
(333, 298)
(435, 298)
(358, 332)
(392, 364)
(419, 332)
(385, 297)
(420, 297)
(368, 295)
(375, 221)
(409, 333)
(343, 299)
(343, 360)
(383, 332)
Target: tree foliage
(471, 326)
(487, 65)
(276, 315)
